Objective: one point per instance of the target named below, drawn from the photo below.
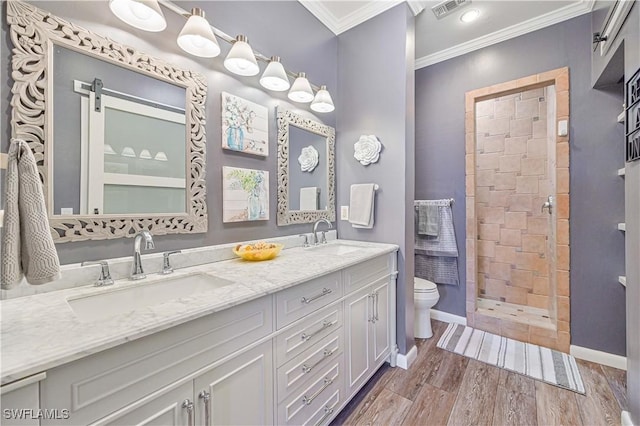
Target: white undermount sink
(338, 249)
(118, 301)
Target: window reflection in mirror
(119, 139)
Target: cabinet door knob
(189, 406)
(205, 397)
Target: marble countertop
(41, 332)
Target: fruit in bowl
(258, 251)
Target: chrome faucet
(315, 231)
(137, 273)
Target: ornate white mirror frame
(34, 33)
(285, 215)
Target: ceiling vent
(446, 7)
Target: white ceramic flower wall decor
(308, 159)
(367, 149)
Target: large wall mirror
(306, 170)
(118, 135)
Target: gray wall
(376, 97)
(279, 28)
(597, 195)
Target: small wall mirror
(306, 170)
(120, 138)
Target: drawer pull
(308, 400)
(325, 325)
(205, 397)
(307, 368)
(376, 295)
(327, 412)
(324, 292)
(189, 406)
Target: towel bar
(416, 203)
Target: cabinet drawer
(365, 273)
(305, 333)
(100, 384)
(303, 367)
(305, 404)
(20, 402)
(296, 302)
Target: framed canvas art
(245, 194)
(245, 126)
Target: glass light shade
(301, 89)
(127, 151)
(274, 76)
(142, 14)
(322, 102)
(470, 16)
(241, 59)
(196, 36)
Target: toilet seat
(420, 285)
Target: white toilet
(425, 295)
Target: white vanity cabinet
(293, 357)
(20, 402)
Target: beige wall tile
(510, 163)
(488, 161)
(562, 103)
(516, 145)
(516, 295)
(506, 254)
(485, 178)
(540, 127)
(505, 108)
(491, 215)
(521, 278)
(484, 108)
(491, 143)
(470, 142)
(562, 176)
(469, 122)
(562, 253)
(563, 206)
(564, 341)
(500, 271)
(503, 87)
(470, 184)
(537, 301)
(495, 288)
(527, 185)
(563, 231)
(528, 107)
(510, 237)
(527, 81)
(562, 288)
(534, 243)
(521, 127)
(469, 162)
(563, 308)
(562, 154)
(483, 194)
(520, 203)
(562, 82)
(505, 181)
(550, 75)
(484, 265)
(544, 188)
(515, 220)
(488, 232)
(534, 166)
(530, 261)
(538, 225)
(486, 323)
(486, 248)
(537, 148)
(563, 326)
(499, 198)
(533, 93)
(534, 330)
(492, 126)
(541, 286)
(515, 330)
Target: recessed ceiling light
(470, 15)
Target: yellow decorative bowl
(247, 253)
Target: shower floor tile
(518, 313)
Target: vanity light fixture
(274, 76)
(127, 151)
(301, 90)
(470, 16)
(322, 102)
(142, 14)
(196, 36)
(241, 59)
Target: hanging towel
(309, 198)
(361, 205)
(437, 258)
(428, 219)
(27, 245)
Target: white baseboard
(626, 419)
(447, 317)
(405, 361)
(604, 358)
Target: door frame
(560, 338)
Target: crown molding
(358, 16)
(417, 6)
(542, 21)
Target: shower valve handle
(548, 204)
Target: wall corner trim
(604, 358)
(447, 317)
(626, 419)
(405, 361)
(358, 16)
(533, 24)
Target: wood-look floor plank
(431, 407)
(388, 408)
(599, 401)
(514, 408)
(517, 383)
(556, 406)
(365, 397)
(449, 374)
(476, 395)
(618, 381)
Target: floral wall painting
(308, 159)
(245, 126)
(367, 149)
(245, 194)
